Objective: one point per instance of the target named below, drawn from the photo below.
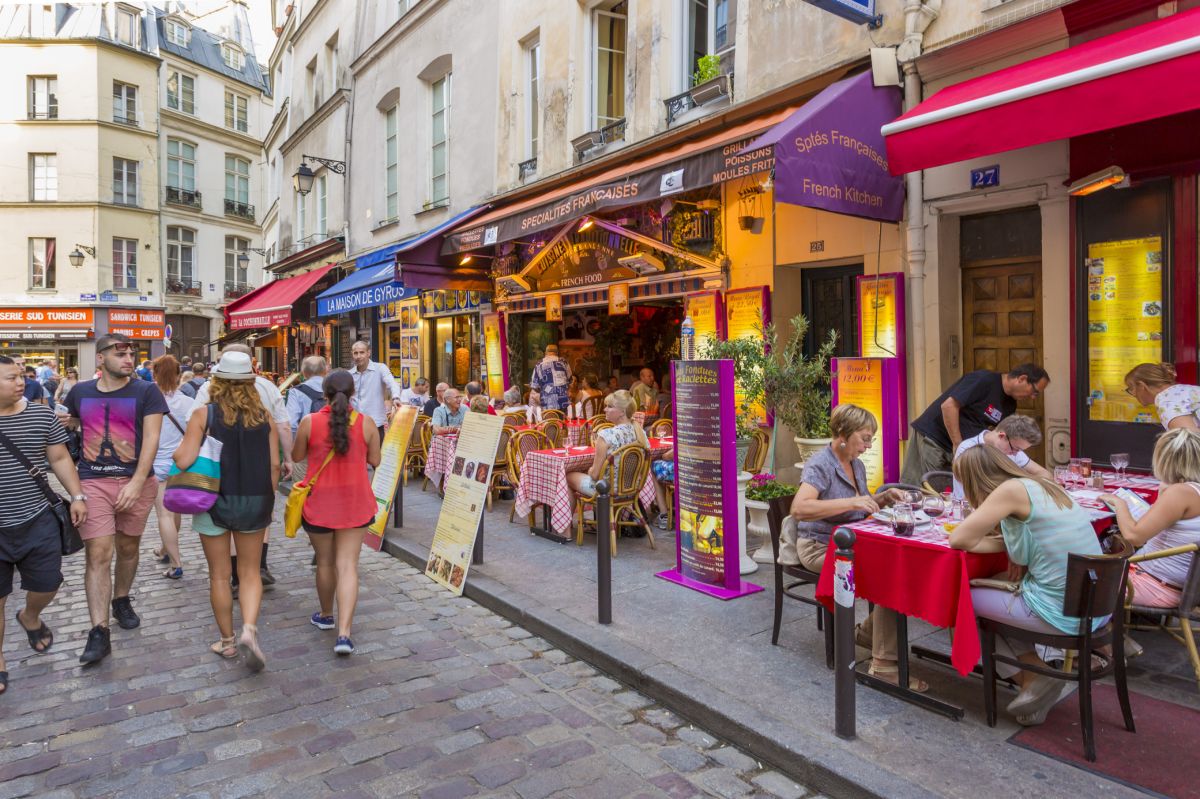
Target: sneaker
(98, 646)
(344, 646)
(123, 611)
(321, 622)
(662, 521)
(267, 579)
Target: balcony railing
(241, 210)
(701, 94)
(125, 120)
(52, 113)
(235, 290)
(184, 197)
(527, 168)
(614, 131)
(184, 288)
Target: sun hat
(234, 366)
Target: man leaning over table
(448, 416)
(375, 389)
(1012, 436)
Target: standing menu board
(873, 384)
(707, 546)
(1124, 323)
(707, 317)
(466, 490)
(386, 479)
(747, 313)
(495, 355)
(881, 326)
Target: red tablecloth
(919, 576)
(441, 457)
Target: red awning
(272, 304)
(1146, 72)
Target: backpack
(316, 397)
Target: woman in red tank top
(341, 504)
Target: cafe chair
(592, 406)
(626, 472)
(937, 482)
(756, 455)
(778, 510)
(667, 411)
(599, 418)
(596, 427)
(521, 444)
(901, 486)
(661, 428)
(426, 441)
(552, 414)
(555, 430)
(1184, 614)
(1095, 589)
(498, 481)
(517, 419)
(418, 448)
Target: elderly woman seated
(833, 491)
(619, 408)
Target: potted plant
(762, 489)
(708, 82)
(796, 387)
(750, 360)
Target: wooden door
(828, 303)
(1002, 323)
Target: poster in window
(747, 313)
(618, 299)
(553, 307)
(708, 318)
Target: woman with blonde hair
(1040, 527)
(235, 416)
(166, 376)
(1154, 384)
(619, 408)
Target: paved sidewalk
(444, 699)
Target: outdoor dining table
(441, 456)
(544, 482)
(577, 431)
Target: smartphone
(1137, 505)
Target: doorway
(1002, 298)
(828, 303)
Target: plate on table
(885, 515)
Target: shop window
(234, 273)
(43, 177)
(124, 103)
(125, 181)
(43, 97)
(124, 264)
(391, 162)
(181, 256)
(236, 112)
(439, 188)
(608, 65)
(533, 105)
(181, 92)
(42, 263)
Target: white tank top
(1174, 569)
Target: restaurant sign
(747, 313)
(873, 384)
(881, 327)
(495, 354)
(268, 318)
(46, 317)
(140, 325)
(583, 259)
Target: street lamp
(303, 179)
(76, 257)
(243, 260)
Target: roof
(204, 48)
(69, 22)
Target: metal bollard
(603, 552)
(477, 553)
(398, 505)
(843, 634)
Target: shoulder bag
(68, 533)
(195, 489)
(293, 515)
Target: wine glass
(1062, 476)
(1119, 461)
(1076, 471)
(933, 505)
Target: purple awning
(829, 154)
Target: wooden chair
(514, 419)
(592, 406)
(1185, 613)
(521, 444)
(555, 431)
(548, 414)
(626, 472)
(597, 419)
(500, 467)
(1095, 589)
(937, 482)
(667, 411)
(426, 441)
(661, 428)
(756, 455)
(779, 509)
(418, 448)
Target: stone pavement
(443, 699)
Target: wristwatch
(79, 497)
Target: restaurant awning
(419, 265)
(272, 304)
(1142, 73)
(366, 288)
(829, 152)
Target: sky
(259, 12)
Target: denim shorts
(203, 524)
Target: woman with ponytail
(1154, 384)
(341, 504)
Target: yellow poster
(744, 309)
(878, 325)
(494, 356)
(703, 310)
(393, 449)
(466, 491)
(553, 307)
(860, 382)
(1124, 323)
(618, 299)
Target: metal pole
(398, 503)
(843, 634)
(603, 552)
(477, 553)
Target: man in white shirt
(375, 389)
(1012, 436)
(416, 396)
(303, 396)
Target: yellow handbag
(293, 515)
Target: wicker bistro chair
(597, 419)
(521, 444)
(937, 482)
(555, 431)
(779, 509)
(418, 448)
(660, 428)
(667, 411)
(1187, 611)
(514, 419)
(756, 455)
(592, 406)
(426, 441)
(496, 483)
(548, 414)
(1095, 588)
(596, 427)
(626, 472)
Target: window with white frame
(322, 196)
(124, 103)
(391, 160)
(126, 28)
(181, 165)
(43, 97)
(235, 112)
(232, 55)
(439, 187)
(235, 272)
(43, 177)
(177, 33)
(124, 263)
(181, 255)
(181, 92)
(710, 31)
(125, 181)
(43, 254)
(533, 103)
(237, 180)
(608, 64)
(301, 217)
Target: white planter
(711, 89)
(748, 566)
(759, 527)
(809, 447)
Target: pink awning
(1146, 72)
(272, 304)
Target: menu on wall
(705, 310)
(1124, 323)
(404, 340)
(747, 312)
(872, 384)
(707, 544)
(881, 325)
(386, 479)
(495, 355)
(466, 490)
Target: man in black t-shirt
(977, 401)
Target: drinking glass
(1062, 476)
(903, 521)
(1119, 461)
(933, 505)
(1075, 468)
(1085, 470)
(913, 498)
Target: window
(125, 181)
(42, 263)
(177, 33)
(235, 246)
(181, 165)
(301, 220)
(181, 92)
(608, 65)
(439, 189)
(232, 55)
(126, 28)
(312, 89)
(322, 186)
(181, 256)
(43, 174)
(235, 112)
(391, 160)
(43, 97)
(331, 63)
(710, 30)
(237, 180)
(124, 264)
(124, 103)
(533, 58)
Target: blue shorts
(203, 524)
(663, 469)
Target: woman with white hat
(238, 419)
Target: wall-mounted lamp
(76, 257)
(1096, 181)
(303, 179)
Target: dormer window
(177, 33)
(126, 27)
(232, 55)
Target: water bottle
(687, 339)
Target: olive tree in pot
(796, 387)
(750, 361)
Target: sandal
(248, 646)
(161, 556)
(225, 648)
(174, 573)
(41, 635)
(891, 674)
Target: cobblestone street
(443, 699)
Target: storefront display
(872, 384)
(400, 323)
(453, 335)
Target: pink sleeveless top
(342, 497)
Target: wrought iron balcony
(241, 210)
(184, 288)
(527, 168)
(235, 290)
(125, 120)
(51, 113)
(701, 94)
(184, 197)
(614, 131)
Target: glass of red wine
(933, 505)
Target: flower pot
(711, 89)
(809, 447)
(758, 529)
(747, 222)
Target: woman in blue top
(1040, 526)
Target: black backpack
(316, 397)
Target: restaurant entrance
(829, 304)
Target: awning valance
(419, 264)
(1142, 73)
(366, 288)
(272, 304)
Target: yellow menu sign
(860, 382)
(1124, 323)
(387, 476)
(746, 313)
(706, 317)
(878, 319)
(495, 354)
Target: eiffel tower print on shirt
(109, 434)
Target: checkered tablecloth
(441, 457)
(1143, 486)
(577, 432)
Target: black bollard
(604, 552)
(843, 638)
(477, 553)
(398, 504)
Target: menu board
(747, 312)
(872, 384)
(466, 490)
(495, 355)
(707, 543)
(404, 340)
(881, 325)
(386, 479)
(707, 319)
(1124, 323)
